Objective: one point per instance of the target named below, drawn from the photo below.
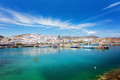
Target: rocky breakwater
(101, 46)
(111, 75)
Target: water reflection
(39, 51)
(100, 50)
(89, 50)
(30, 51)
(74, 64)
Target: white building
(28, 39)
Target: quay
(101, 47)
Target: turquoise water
(57, 63)
(88, 45)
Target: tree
(18, 44)
(9, 39)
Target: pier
(101, 47)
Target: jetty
(67, 45)
(101, 47)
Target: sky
(60, 17)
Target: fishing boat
(88, 47)
(44, 46)
(74, 47)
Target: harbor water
(57, 63)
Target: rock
(111, 75)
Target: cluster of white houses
(28, 39)
(38, 38)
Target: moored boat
(44, 46)
(74, 47)
(88, 47)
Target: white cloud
(3, 28)
(112, 33)
(112, 5)
(104, 13)
(17, 18)
(88, 32)
(91, 32)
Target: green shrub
(18, 43)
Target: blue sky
(60, 17)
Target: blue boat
(74, 47)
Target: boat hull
(74, 47)
(88, 47)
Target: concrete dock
(101, 47)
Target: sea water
(57, 63)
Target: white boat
(88, 47)
(44, 46)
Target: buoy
(95, 68)
(35, 59)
